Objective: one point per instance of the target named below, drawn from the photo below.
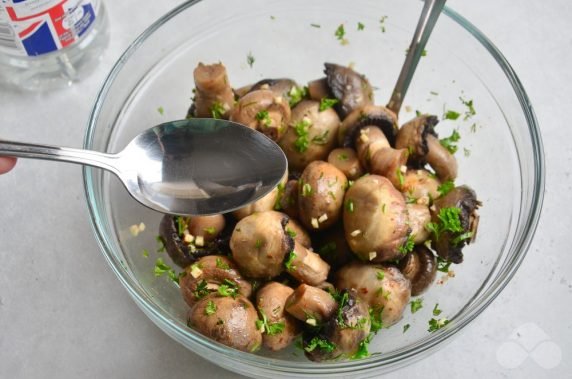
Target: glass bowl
(500, 151)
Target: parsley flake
(210, 308)
(301, 129)
(222, 264)
(327, 103)
(270, 328)
(360, 26)
(321, 344)
(288, 263)
(264, 118)
(436, 310)
(250, 59)
(451, 115)
(449, 142)
(416, 305)
(217, 110)
(435, 325)
(406, 327)
(445, 187)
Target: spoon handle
(427, 20)
(55, 153)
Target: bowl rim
(180, 332)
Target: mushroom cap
(280, 86)
(420, 267)
(413, 136)
(368, 115)
(230, 321)
(346, 160)
(421, 186)
(351, 89)
(259, 244)
(419, 217)
(321, 128)
(209, 227)
(388, 292)
(375, 219)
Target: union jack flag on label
(36, 27)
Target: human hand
(6, 164)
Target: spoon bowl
(185, 167)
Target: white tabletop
(63, 314)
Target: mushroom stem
(443, 162)
(308, 267)
(309, 303)
(318, 89)
(389, 162)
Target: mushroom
(259, 244)
(420, 267)
(419, 138)
(351, 89)
(419, 217)
(183, 247)
(307, 266)
(311, 305)
(318, 89)
(288, 199)
(280, 87)
(368, 116)
(280, 329)
(230, 321)
(384, 289)
(344, 332)
(263, 111)
(266, 203)
(320, 195)
(311, 134)
(345, 160)
(213, 95)
(461, 205)
(420, 186)
(332, 246)
(208, 274)
(375, 219)
(300, 236)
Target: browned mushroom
(300, 236)
(320, 196)
(318, 89)
(311, 134)
(420, 267)
(346, 160)
(263, 111)
(419, 138)
(288, 199)
(208, 274)
(375, 219)
(259, 244)
(383, 288)
(279, 329)
(213, 95)
(280, 87)
(419, 217)
(455, 220)
(307, 266)
(420, 186)
(311, 305)
(343, 333)
(207, 227)
(351, 89)
(368, 116)
(230, 321)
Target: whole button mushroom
(346, 160)
(311, 134)
(454, 223)
(259, 244)
(279, 328)
(384, 289)
(420, 186)
(263, 111)
(213, 95)
(320, 195)
(375, 219)
(420, 267)
(419, 138)
(208, 274)
(419, 217)
(351, 89)
(230, 321)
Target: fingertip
(6, 164)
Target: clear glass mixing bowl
(500, 152)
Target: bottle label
(36, 27)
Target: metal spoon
(431, 12)
(187, 167)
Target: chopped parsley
(222, 264)
(470, 112)
(291, 233)
(380, 275)
(328, 249)
(363, 351)
(360, 26)
(201, 290)
(406, 327)
(270, 328)
(407, 246)
(228, 288)
(161, 111)
(288, 262)
(451, 115)
(340, 34)
(449, 142)
(321, 344)
(296, 95)
(162, 268)
(301, 129)
(445, 187)
(443, 264)
(342, 302)
(416, 305)
(449, 221)
(343, 157)
(217, 110)
(434, 93)
(315, 25)
(250, 59)
(466, 152)
(258, 244)
(210, 230)
(382, 23)
(264, 118)
(145, 253)
(461, 237)
(435, 325)
(327, 103)
(210, 308)
(350, 207)
(307, 190)
(375, 319)
(436, 310)
(160, 244)
(322, 139)
(400, 176)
